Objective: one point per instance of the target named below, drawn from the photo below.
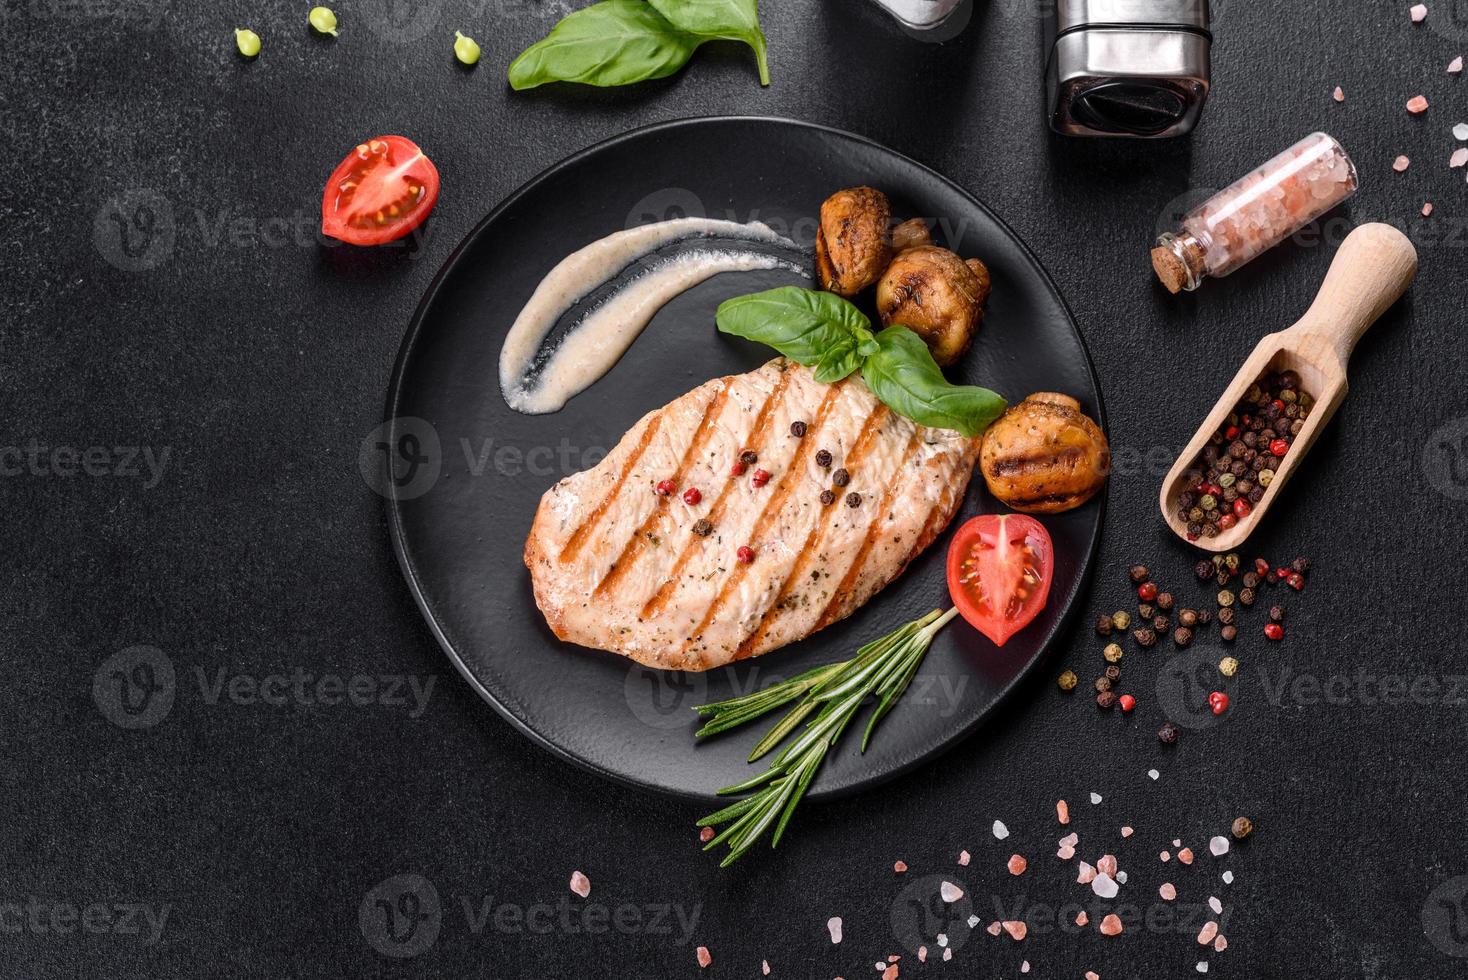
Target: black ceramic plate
(468, 471)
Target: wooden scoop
(1372, 269)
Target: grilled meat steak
(618, 566)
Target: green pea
(247, 41)
(323, 20)
(465, 49)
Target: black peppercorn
(702, 527)
(1103, 626)
(1161, 624)
(1228, 633)
(1167, 734)
(823, 457)
(1223, 576)
(1187, 619)
(841, 477)
(1272, 578)
(1247, 596)
(1251, 580)
(1113, 673)
(1276, 613)
(1106, 700)
(1204, 617)
(1103, 684)
(827, 498)
(749, 457)
(1182, 636)
(1203, 570)
(1226, 616)
(797, 429)
(1144, 636)
(1139, 574)
(853, 499)
(1164, 600)
(1301, 565)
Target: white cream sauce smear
(603, 335)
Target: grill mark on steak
(659, 599)
(579, 536)
(638, 543)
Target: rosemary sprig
(835, 693)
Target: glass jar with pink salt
(1256, 213)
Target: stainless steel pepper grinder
(1137, 68)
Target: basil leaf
(615, 42)
(810, 328)
(734, 20)
(904, 376)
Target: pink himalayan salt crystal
(922, 954)
(833, 925)
(893, 957)
(1167, 891)
(1082, 918)
(1419, 13)
(947, 955)
(1127, 831)
(1218, 846)
(890, 973)
(1206, 934)
(1104, 886)
(994, 928)
(1220, 944)
(704, 959)
(899, 866)
(1427, 210)
(1185, 855)
(1086, 874)
(950, 892)
(963, 858)
(706, 834)
(1024, 966)
(1000, 831)
(580, 884)
(1070, 840)
(1456, 66)
(1016, 928)
(1459, 157)
(1066, 853)
(1164, 857)
(1417, 105)
(1017, 865)
(1111, 925)
(1107, 865)
(1062, 811)
(1339, 94)
(764, 967)
(1215, 905)
(1092, 975)
(1177, 842)
(1401, 164)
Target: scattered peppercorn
(665, 488)
(1242, 827)
(828, 498)
(1225, 616)
(1228, 666)
(1295, 581)
(1120, 620)
(1203, 570)
(745, 554)
(1103, 684)
(1144, 637)
(841, 478)
(1068, 680)
(738, 468)
(1301, 565)
(1127, 702)
(1251, 580)
(1228, 633)
(1113, 673)
(823, 457)
(853, 499)
(1247, 596)
(1274, 631)
(1161, 624)
(1103, 626)
(1225, 598)
(1106, 700)
(692, 496)
(1113, 652)
(798, 429)
(1147, 591)
(1218, 701)
(749, 457)
(1167, 734)
(1276, 613)
(702, 527)
(1139, 574)
(1187, 618)
(1164, 600)
(1182, 636)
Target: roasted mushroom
(1044, 455)
(853, 244)
(912, 233)
(938, 295)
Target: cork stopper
(1169, 269)
(1178, 262)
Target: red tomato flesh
(380, 192)
(999, 572)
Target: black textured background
(259, 364)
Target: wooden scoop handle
(1372, 269)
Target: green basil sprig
(618, 42)
(828, 333)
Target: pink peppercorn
(692, 496)
(665, 488)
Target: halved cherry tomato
(999, 571)
(380, 192)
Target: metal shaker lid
(1174, 14)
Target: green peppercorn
(1266, 477)
(1113, 652)
(1227, 480)
(1225, 598)
(1068, 681)
(1231, 561)
(1120, 621)
(1228, 666)
(1209, 502)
